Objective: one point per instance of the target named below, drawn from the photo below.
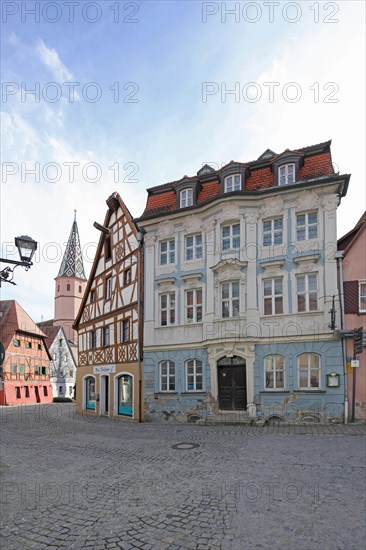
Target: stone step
(227, 417)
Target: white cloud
(52, 61)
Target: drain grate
(185, 446)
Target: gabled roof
(55, 332)
(72, 263)
(50, 330)
(14, 319)
(268, 153)
(113, 202)
(346, 242)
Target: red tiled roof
(209, 190)
(14, 319)
(317, 162)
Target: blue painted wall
(178, 405)
(292, 404)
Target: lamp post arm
(14, 262)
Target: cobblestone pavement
(70, 482)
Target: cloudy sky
(121, 96)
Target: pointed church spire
(72, 262)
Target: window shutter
(350, 296)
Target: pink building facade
(353, 246)
(26, 369)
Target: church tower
(70, 284)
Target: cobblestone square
(70, 482)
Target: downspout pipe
(339, 258)
(140, 240)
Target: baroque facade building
(240, 272)
(109, 322)
(26, 369)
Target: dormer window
(286, 174)
(233, 183)
(186, 198)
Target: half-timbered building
(109, 322)
(26, 369)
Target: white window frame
(169, 253)
(285, 172)
(197, 372)
(306, 292)
(125, 323)
(186, 197)
(232, 183)
(195, 305)
(361, 294)
(171, 374)
(169, 309)
(92, 339)
(106, 335)
(309, 368)
(108, 288)
(272, 232)
(197, 248)
(274, 360)
(273, 296)
(230, 237)
(230, 300)
(307, 226)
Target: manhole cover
(185, 446)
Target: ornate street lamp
(26, 247)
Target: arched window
(274, 372)
(194, 375)
(167, 376)
(90, 397)
(309, 371)
(125, 394)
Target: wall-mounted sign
(355, 363)
(104, 369)
(333, 380)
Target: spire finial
(74, 214)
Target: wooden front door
(232, 384)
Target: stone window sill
(309, 391)
(274, 391)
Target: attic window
(127, 276)
(186, 198)
(233, 183)
(92, 296)
(286, 174)
(107, 248)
